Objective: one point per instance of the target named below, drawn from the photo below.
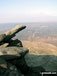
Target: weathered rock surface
(8, 35)
(4, 45)
(11, 70)
(16, 43)
(2, 37)
(7, 69)
(13, 52)
(48, 62)
(13, 32)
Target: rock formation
(6, 37)
(12, 56)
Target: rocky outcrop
(6, 37)
(13, 56)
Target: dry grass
(40, 48)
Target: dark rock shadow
(33, 65)
(41, 63)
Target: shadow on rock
(48, 62)
(21, 65)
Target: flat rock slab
(13, 52)
(4, 45)
(48, 62)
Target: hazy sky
(12, 11)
